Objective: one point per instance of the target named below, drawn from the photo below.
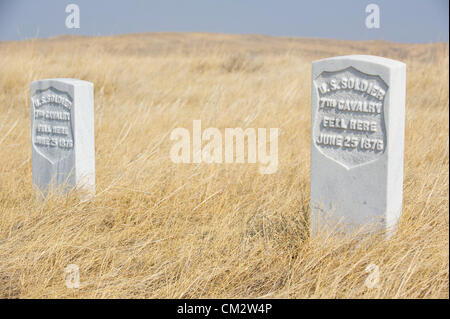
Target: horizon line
(53, 37)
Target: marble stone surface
(62, 134)
(357, 143)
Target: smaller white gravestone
(62, 134)
(357, 137)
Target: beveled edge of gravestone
(339, 62)
(69, 81)
(365, 58)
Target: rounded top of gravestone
(365, 58)
(67, 81)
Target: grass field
(156, 229)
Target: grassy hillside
(156, 229)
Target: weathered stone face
(349, 125)
(52, 131)
(62, 134)
(358, 118)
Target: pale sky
(400, 20)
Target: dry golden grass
(158, 229)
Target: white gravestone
(62, 134)
(357, 137)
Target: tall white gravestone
(357, 137)
(62, 134)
